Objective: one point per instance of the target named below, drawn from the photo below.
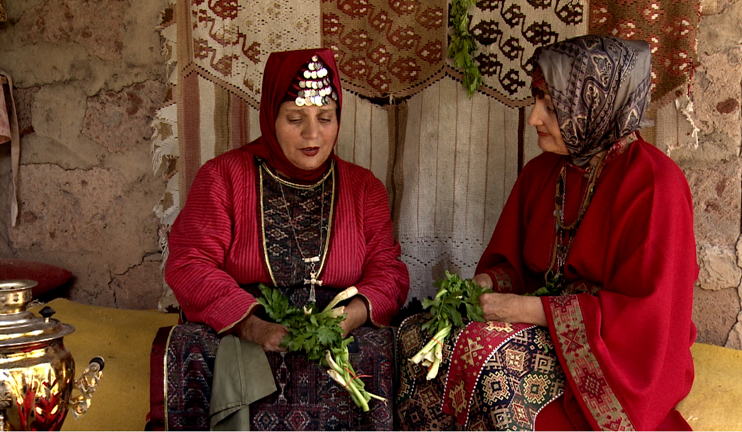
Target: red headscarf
(280, 71)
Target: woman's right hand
(484, 280)
(266, 334)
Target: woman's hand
(357, 315)
(484, 280)
(512, 308)
(266, 334)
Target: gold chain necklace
(313, 260)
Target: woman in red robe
(600, 227)
(284, 211)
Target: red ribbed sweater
(216, 244)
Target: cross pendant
(312, 281)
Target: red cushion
(48, 276)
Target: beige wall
(89, 77)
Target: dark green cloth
(242, 375)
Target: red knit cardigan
(216, 244)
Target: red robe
(626, 350)
(216, 244)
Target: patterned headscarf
(600, 89)
(280, 73)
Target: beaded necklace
(565, 234)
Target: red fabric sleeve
(504, 252)
(199, 243)
(385, 281)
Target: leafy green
(312, 333)
(553, 287)
(462, 45)
(455, 299)
(319, 336)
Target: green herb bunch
(455, 300)
(318, 335)
(462, 45)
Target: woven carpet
(668, 26)
(386, 48)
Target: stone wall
(713, 171)
(89, 76)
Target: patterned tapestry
(386, 47)
(508, 32)
(501, 376)
(493, 376)
(448, 161)
(230, 41)
(668, 26)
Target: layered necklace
(565, 233)
(302, 229)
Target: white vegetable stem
(343, 295)
(342, 372)
(431, 355)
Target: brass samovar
(36, 370)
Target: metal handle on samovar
(86, 385)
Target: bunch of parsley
(318, 335)
(455, 300)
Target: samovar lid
(19, 326)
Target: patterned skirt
(307, 398)
(494, 376)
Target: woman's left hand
(357, 315)
(512, 308)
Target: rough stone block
(735, 336)
(91, 273)
(121, 120)
(144, 47)
(68, 63)
(718, 268)
(84, 211)
(716, 200)
(715, 313)
(57, 115)
(96, 25)
(23, 103)
(720, 26)
(716, 94)
(139, 287)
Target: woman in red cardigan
(285, 211)
(601, 225)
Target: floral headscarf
(280, 72)
(600, 89)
